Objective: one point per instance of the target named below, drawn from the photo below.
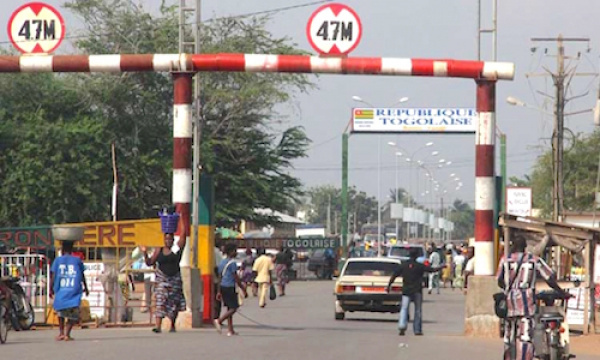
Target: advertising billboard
(414, 120)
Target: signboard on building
(38, 237)
(414, 120)
(97, 234)
(519, 201)
(291, 243)
(92, 273)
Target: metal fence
(33, 272)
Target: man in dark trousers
(412, 273)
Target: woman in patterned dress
(169, 288)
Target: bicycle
(4, 319)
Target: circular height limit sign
(36, 28)
(334, 29)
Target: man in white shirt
(434, 278)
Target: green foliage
(580, 170)
(463, 217)
(360, 206)
(403, 197)
(56, 130)
(53, 155)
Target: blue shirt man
(66, 280)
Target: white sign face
(576, 306)
(413, 120)
(334, 29)
(396, 211)
(36, 28)
(92, 273)
(597, 266)
(518, 201)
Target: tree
(463, 217)
(54, 160)
(580, 169)
(361, 208)
(56, 130)
(403, 196)
(248, 159)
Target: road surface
(300, 325)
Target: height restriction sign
(36, 28)
(334, 29)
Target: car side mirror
(577, 283)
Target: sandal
(232, 333)
(156, 330)
(68, 338)
(60, 338)
(172, 330)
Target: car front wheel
(340, 316)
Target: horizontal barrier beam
(258, 63)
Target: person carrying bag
(500, 298)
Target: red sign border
(51, 8)
(321, 8)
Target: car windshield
(404, 252)
(370, 268)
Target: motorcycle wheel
(3, 323)
(14, 321)
(28, 318)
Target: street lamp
(379, 235)
(410, 160)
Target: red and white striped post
(182, 160)
(485, 190)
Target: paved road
(298, 326)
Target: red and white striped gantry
(258, 63)
(183, 67)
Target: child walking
(66, 280)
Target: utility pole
(503, 172)
(329, 215)
(493, 30)
(561, 78)
(191, 271)
(557, 137)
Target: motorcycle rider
(520, 298)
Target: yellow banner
(128, 233)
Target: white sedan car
(362, 285)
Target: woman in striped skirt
(169, 288)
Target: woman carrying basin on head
(169, 288)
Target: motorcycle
(21, 313)
(551, 333)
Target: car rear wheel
(340, 316)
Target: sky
(423, 29)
